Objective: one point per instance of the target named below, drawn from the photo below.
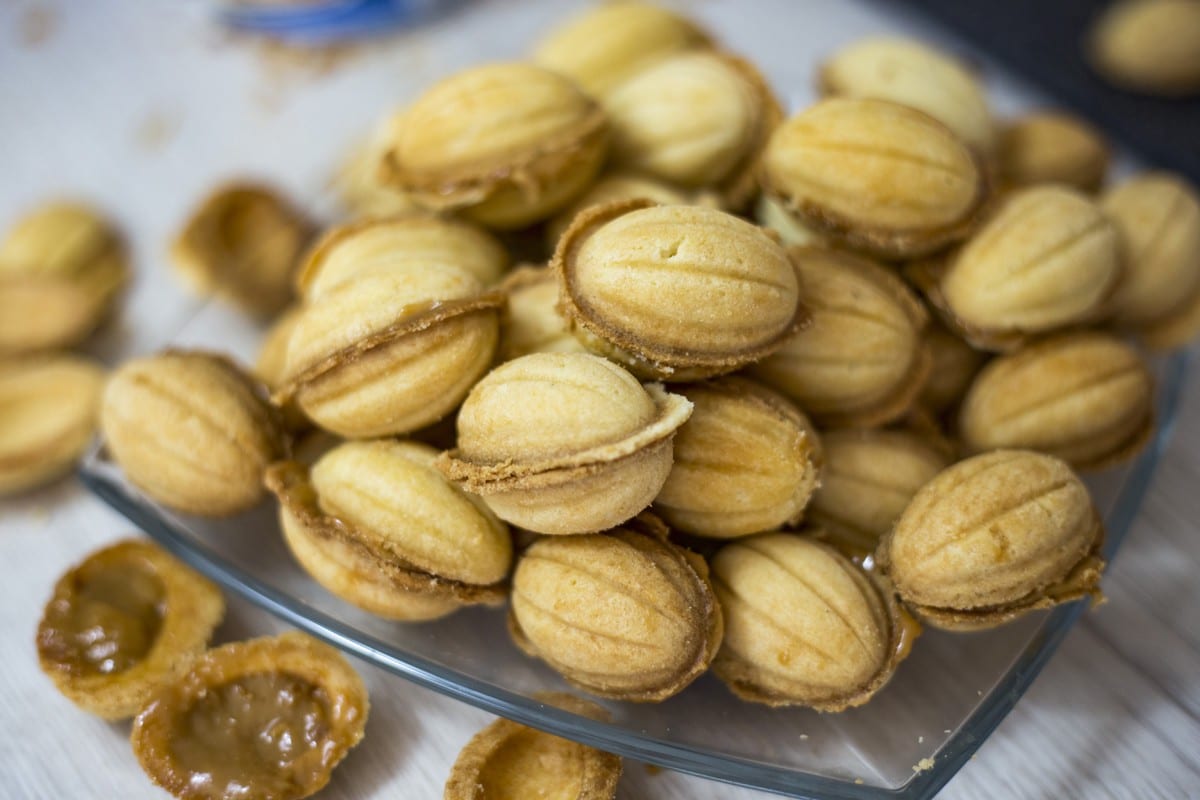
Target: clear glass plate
(941, 705)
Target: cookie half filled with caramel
(127, 620)
(267, 718)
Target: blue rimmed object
(328, 21)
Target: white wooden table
(141, 107)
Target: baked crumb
(37, 25)
(156, 130)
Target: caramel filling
(106, 622)
(262, 735)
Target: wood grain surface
(141, 107)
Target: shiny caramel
(106, 620)
(267, 718)
(123, 623)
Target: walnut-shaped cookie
(48, 411)
(1087, 398)
(746, 461)
(563, 443)
(531, 321)
(862, 359)
(992, 538)
(870, 476)
(192, 430)
(875, 176)
(415, 239)
(698, 119)
(62, 267)
(624, 614)
(504, 144)
(803, 625)
(390, 351)
(676, 293)
(376, 524)
(1045, 259)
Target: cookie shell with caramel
(391, 351)
(377, 525)
(564, 443)
(676, 293)
(746, 461)
(624, 614)
(804, 625)
(505, 145)
(992, 538)
(268, 718)
(123, 623)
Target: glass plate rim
(98, 476)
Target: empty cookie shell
(244, 244)
(377, 525)
(267, 718)
(734, 293)
(123, 623)
(563, 443)
(994, 537)
(624, 614)
(746, 461)
(508, 761)
(804, 625)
